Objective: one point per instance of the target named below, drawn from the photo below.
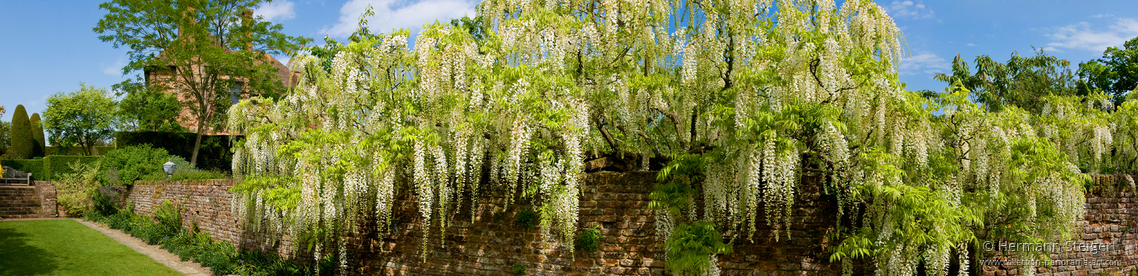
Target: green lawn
(66, 247)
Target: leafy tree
(200, 48)
(149, 108)
(1022, 81)
(40, 145)
(5, 137)
(81, 118)
(23, 143)
(1116, 73)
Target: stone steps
(19, 202)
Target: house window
(235, 92)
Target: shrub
(215, 150)
(22, 141)
(589, 240)
(526, 218)
(193, 174)
(138, 162)
(38, 142)
(74, 189)
(221, 257)
(168, 216)
(57, 165)
(107, 199)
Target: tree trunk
(197, 143)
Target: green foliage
(53, 150)
(75, 188)
(107, 200)
(37, 135)
(23, 143)
(195, 174)
(526, 218)
(1022, 81)
(57, 165)
(1116, 73)
(168, 216)
(518, 269)
(193, 245)
(5, 137)
(589, 240)
(689, 247)
(148, 108)
(134, 162)
(209, 42)
(34, 166)
(83, 118)
(214, 154)
(673, 192)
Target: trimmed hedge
(23, 145)
(99, 150)
(38, 142)
(48, 168)
(34, 166)
(57, 165)
(215, 151)
(104, 150)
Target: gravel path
(153, 251)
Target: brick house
(161, 75)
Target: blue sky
(49, 47)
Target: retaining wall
(491, 243)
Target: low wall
(205, 203)
(618, 202)
(46, 192)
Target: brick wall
(618, 203)
(206, 203)
(46, 192)
(1110, 225)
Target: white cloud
(924, 63)
(908, 9)
(970, 44)
(276, 10)
(1101, 15)
(392, 14)
(114, 70)
(1082, 37)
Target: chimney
(247, 22)
(187, 14)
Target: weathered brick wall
(206, 203)
(1110, 226)
(617, 202)
(203, 202)
(46, 192)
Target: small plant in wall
(519, 269)
(526, 218)
(589, 240)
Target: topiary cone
(39, 145)
(23, 144)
